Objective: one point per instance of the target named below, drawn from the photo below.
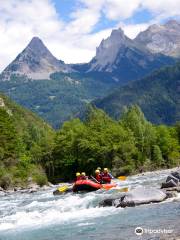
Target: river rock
(176, 175)
(173, 189)
(173, 180)
(110, 201)
(169, 184)
(33, 187)
(138, 196)
(171, 177)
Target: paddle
(63, 188)
(106, 187)
(125, 189)
(95, 179)
(122, 178)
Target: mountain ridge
(157, 95)
(65, 89)
(163, 39)
(35, 62)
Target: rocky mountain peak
(35, 62)
(109, 48)
(117, 33)
(172, 24)
(164, 39)
(37, 45)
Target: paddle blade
(125, 189)
(122, 178)
(62, 189)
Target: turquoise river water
(42, 216)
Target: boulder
(138, 196)
(33, 187)
(169, 184)
(173, 189)
(111, 201)
(171, 177)
(172, 180)
(176, 175)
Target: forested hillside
(24, 140)
(158, 95)
(59, 99)
(30, 149)
(126, 146)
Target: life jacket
(84, 177)
(98, 177)
(106, 178)
(78, 178)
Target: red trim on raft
(95, 185)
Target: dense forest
(31, 149)
(58, 99)
(158, 95)
(24, 140)
(128, 145)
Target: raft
(89, 186)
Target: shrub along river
(42, 216)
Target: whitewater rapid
(22, 214)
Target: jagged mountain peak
(164, 39)
(35, 62)
(108, 49)
(172, 23)
(35, 40)
(117, 33)
(37, 44)
(117, 37)
(38, 47)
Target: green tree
(157, 156)
(9, 140)
(143, 131)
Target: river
(42, 216)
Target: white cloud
(120, 9)
(131, 30)
(74, 41)
(164, 8)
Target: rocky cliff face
(35, 62)
(126, 59)
(108, 50)
(163, 39)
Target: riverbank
(34, 187)
(31, 188)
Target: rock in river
(138, 196)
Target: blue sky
(72, 29)
(139, 16)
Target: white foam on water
(85, 224)
(37, 219)
(63, 210)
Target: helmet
(83, 174)
(99, 168)
(105, 169)
(78, 174)
(97, 171)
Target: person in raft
(99, 168)
(83, 176)
(78, 176)
(106, 177)
(98, 176)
